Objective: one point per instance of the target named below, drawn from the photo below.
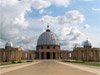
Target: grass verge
(85, 63)
(16, 62)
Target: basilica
(48, 47)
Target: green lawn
(86, 63)
(15, 62)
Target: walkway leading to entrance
(48, 68)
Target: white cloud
(86, 26)
(39, 4)
(26, 40)
(64, 3)
(95, 9)
(87, 0)
(71, 17)
(13, 19)
(13, 14)
(69, 36)
(44, 11)
(41, 11)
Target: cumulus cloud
(87, 0)
(69, 36)
(71, 17)
(38, 4)
(75, 33)
(13, 14)
(86, 26)
(64, 3)
(26, 39)
(2, 43)
(42, 11)
(12, 17)
(96, 9)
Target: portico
(49, 55)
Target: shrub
(6, 61)
(19, 62)
(29, 61)
(13, 61)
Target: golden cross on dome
(48, 25)
(48, 30)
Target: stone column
(78, 54)
(0, 55)
(51, 55)
(23, 56)
(94, 55)
(39, 55)
(89, 58)
(28, 57)
(16, 55)
(87, 55)
(58, 55)
(45, 57)
(8, 54)
(97, 55)
(64, 55)
(32, 56)
(3, 56)
(19, 56)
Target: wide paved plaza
(48, 68)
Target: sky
(73, 22)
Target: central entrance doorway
(48, 55)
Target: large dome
(9, 44)
(48, 38)
(87, 43)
